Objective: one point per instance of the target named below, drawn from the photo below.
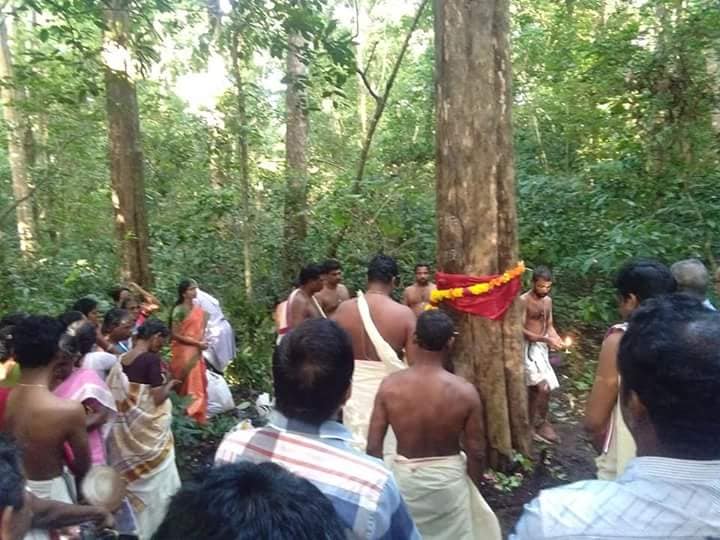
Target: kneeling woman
(141, 445)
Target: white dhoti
(58, 489)
(537, 365)
(619, 448)
(152, 495)
(443, 501)
(367, 377)
(357, 411)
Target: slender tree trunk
(381, 101)
(296, 158)
(477, 223)
(244, 158)
(17, 149)
(126, 157)
(360, 39)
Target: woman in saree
(187, 323)
(141, 445)
(76, 383)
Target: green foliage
(616, 154)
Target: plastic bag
(220, 399)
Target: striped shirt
(360, 488)
(654, 498)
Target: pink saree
(86, 387)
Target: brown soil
(573, 458)
(569, 461)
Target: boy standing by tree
(540, 335)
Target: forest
(232, 140)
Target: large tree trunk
(126, 157)
(296, 138)
(477, 223)
(244, 160)
(17, 127)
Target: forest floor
(551, 465)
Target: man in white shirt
(669, 363)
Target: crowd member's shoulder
(64, 411)
(344, 309)
(465, 388)
(546, 516)
(234, 444)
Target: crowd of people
(86, 400)
(371, 435)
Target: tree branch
(366, 82)
(10, 209)
(381, 102)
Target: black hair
(331, 265)
(85, 338)
(7, 325)
(382, 269)
(542, 272)
(70, 317)
(670, 357)
(645, 278)
(309, 273)
(36, 340)
(248, 501)
(182, 287)
(117, 291)
(125, 303)
(420, 265)
(434, 330)
(151, 327)
(12, 481)
(113, 318)
(85, 305)
(312, 370)
(11, 319)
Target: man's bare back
(412, 400)
(416, 297)
(42, 423)
(331, 298)
(395, 322)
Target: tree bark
(477, 222)
(244, 159)
(295, 227)
(126, 156)
(17, 149)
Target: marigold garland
(478, 289)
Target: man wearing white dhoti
(540, 334)
(380, 329)
(438, 481)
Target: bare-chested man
(394, 321)
(301, 304)
(333, 291)
(434, 414)
(540, 335)
(378, 341)
(41, 422)
(417, 295)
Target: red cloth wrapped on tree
(492, 304)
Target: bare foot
(545, 433)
